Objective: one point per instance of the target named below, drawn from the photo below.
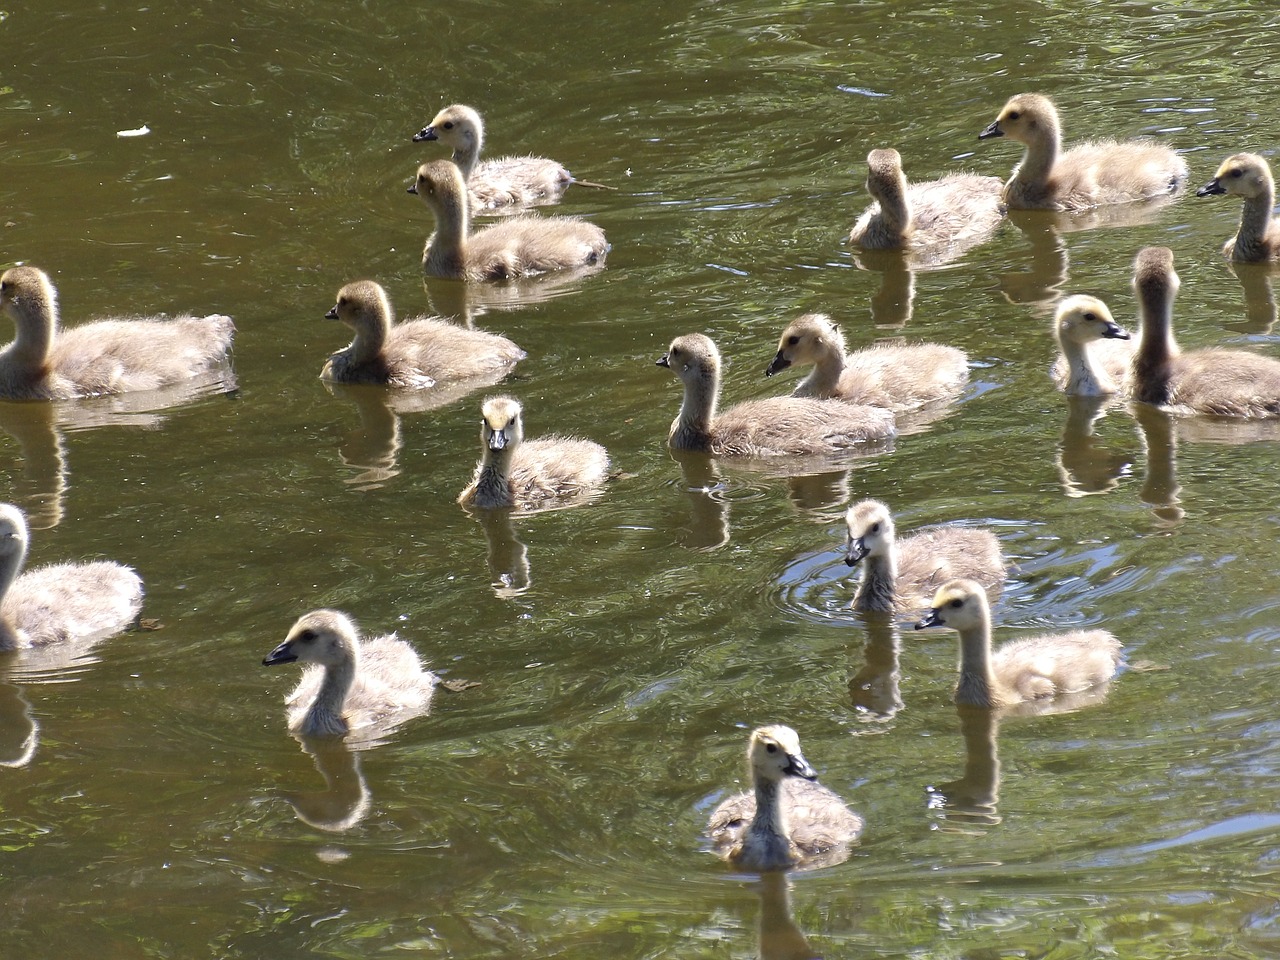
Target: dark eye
(1012, 115)
(448, 124)
(792, 341)
(771, 747)
(1091, 315)
(875, 528)
(306, 636)
(956, 603)
(1236, 173)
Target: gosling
(45, 362)
(897, 376)
(1094, 350)
(60, 602)
(902, 577)
(960, 209)
(534, 474)
(1247, 175)
(1036, 668)
(415, 354)
(350, 684)
(494, 184)
(775, 426)
(789, 820)
(1216, 382)
(518, 247)
(1091, 174)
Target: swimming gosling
(350, 684)
(493, 184)
(59, 602)
(1091, 174)
(415, 354)
(1035, 668)
(1215, 382)
(47, 362)
(530, 474)
(774, 426)
(788, 820)
(958, 209)
(898, 376)
(902, 576)
(1094, 351)
(1248, 175)
(518, 247)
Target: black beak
(1113, 331)
(798, 766)
(498, 440)
(1211, 188)
(992, 130)
(663, 361)
(332, 314)
(281, 654)
(931, 619)
(857, 550)
(777, 363)
(413, 188)
(426, 133)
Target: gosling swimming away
(775, 426)
(1094, 351)
(788, 820)
(1248, 175)
(1035, 668)
(1090, 174)
(897, 376)
(350, 684)
(530, 474)
(415, 354)
(903, 576)
(493, 184)
(960, 208)
(517, 247)
(46, 362)
(1216, 382)
(59, 602)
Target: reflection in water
(780, 938)
(345, 799)
(1160, 485)
(1259, 298)
(19, 731)
(464, 302)
(969, 803)
(1086, 466)
(874, 688)
(709, 510)
(508, 557)
(891, 304)
(818, 491)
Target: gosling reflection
(780, 938)
(508, 557)
(873, 689)
(465, 302)
(345, 799)
(892, 303)
(708, 508)
(40, 488)
(19, 730)
(970, 802)
(1087, 466)
(1259, 297)
(1160, 485)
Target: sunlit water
(152, 803)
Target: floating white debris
(141, 131)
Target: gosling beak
(778, 363)
(931, 619)
(426, 133)
(281, 654)
(798, 766)
(413, 188)
(498, 440)
(663, 361)
(1113, 331)
(992, 130)
(332, 314)
(857, 550)
(1211, 188)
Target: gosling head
(1081, 319)
(884, 171)
(870, 531)
(1245, 175)
(362, 305)
(1153, 273)
(455, 126)
(439, 184)
(774, 753)
(692, 357)
(1025, 118)
(501, 425)
(326, 637)
(14, 535)
(23, 289)
(958, 605)
(806, 340)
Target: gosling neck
(370, 339)
(467, 153)
(1152, 363)
(824, 380)
(10, 566)
(876, 591)
(1255, 220)
(493, 478)
(977, 686)
(895, 210)
(769, 836)
(1083, 378)
(325, 716)
(446, 251)
(1037, 163)
(36, 324)
(691, 429)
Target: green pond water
(156, 805)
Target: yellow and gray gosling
(1094, 351)
(1090, 174)
(1035, 668)
(47, 362)
(788, 820)
(1248, 175)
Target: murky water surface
(156, 806)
